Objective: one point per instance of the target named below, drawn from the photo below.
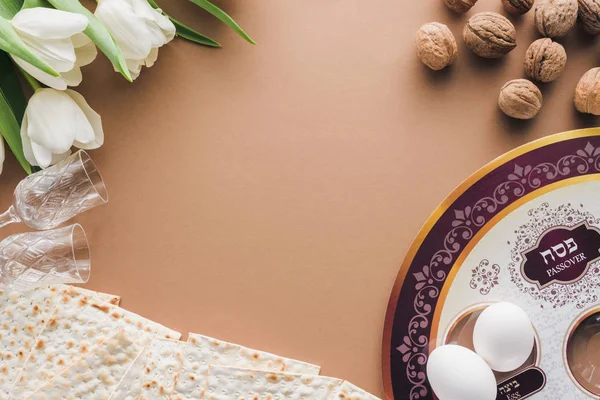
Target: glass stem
(9, 217)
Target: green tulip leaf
(36, 3)
(192, 35)
(12, 108)
(223, 16)
(11, 42)
(98, 33)
(11, 86)
(188, 33)
(8, 8)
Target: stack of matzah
(60, 342)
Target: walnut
(518, 7)
(589, 16)
(520, 99)
(587, 93)
(460, 6)
(545, 60)
(490, 35)
(436, 46)
(554, 18)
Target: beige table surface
(266, 194)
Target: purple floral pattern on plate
(484, 277)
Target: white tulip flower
(55, 121)
(138, 29)
(56, 37)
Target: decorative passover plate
(526, 229)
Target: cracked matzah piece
(78, 324)
(130, 386)
(96, 375)
(163, 363)
(203, 351)
(348, 391)
(24, 313)
(227, 383)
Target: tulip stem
(35, 85)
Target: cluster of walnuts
(491, 35)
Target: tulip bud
(138, 29)
(55, 121)
(55, 37)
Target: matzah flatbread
(111, 298)
(77, 325)
(23, 314)
(348, 391)
(227, 383)
(130, 386)
(162, 366)
(96, 375)
(203, 351)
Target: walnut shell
(545, 60)
(520, 99)
(518, 7)
(589, 16)
(490, 35)
(436, 46)
(554, 18)
(587, 93)
(460, 6)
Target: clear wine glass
(47, 257)
(56, 194)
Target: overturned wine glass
(46, 257)
(48, 198)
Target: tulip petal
(48, 23)
(97, 140)
(80, 39)
(85, 49)
(42, 154)
(165, 25)
(151, 59)
(129, 30)
(149, 15)
(86, 54)
(55, 120)
(59, 157)
(47, 79)
(73, 77)
(59, 53)
(135, 67)
(27, 150)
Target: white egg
(503, 336)
(457, 373)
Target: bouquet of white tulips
(48, 41)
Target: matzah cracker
(96, 375)
(77, 325)
(348, 391)
(23, 315)
(111, 298)
(227, 383)
(27, 310)
(203, 351)
(130, 386)
(163, 363)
